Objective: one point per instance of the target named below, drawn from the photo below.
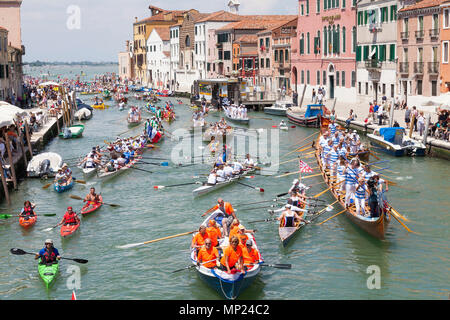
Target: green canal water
(329, 261)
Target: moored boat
(83, 114)
(44, 165)
(393, 141)
(278, 109)
(309, 118)
(74, 131)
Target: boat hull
(48, 273)
(62, 188)
(275, 111)
(312, 122)
(27, 223)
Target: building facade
(444, 77)
(376, 54)
(158, 58)
(125, 63)
(325, 48)
(174, 55)
(418, 48)
(5, 84)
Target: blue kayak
(61, 188)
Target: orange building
(445, 47)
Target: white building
(158, 58)
(174, 55)
(204, 44)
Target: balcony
(404, 35)
(420, 34)
(434, 33)
(418, 67)
(403, 67)
(433, 68)
(372, 64)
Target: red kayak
(67, 230)
(90, 207)
(27, 222)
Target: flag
(304, 168)
(74, 297)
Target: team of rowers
(219, 128)
(357, 182)
(134, 115)
(224, 171)
(236, 112)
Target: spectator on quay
(403, 105)
(351, 117)
(370, 110)
(375, 110)
(415, 115)
(313, 95)
(380, 114)
(421, 123)
(407, 116)
(320, 97)
(397, 103)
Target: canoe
(90, 207)
(237, 120)
(89, 171)
(61, 188)
(48, 272)
(74, 131)
(44, 164)
(229, 286)
(107, 175)
(287, 233)
(134, 122)
(69, 229)
(100, 106)
(210, 188)
(376, 226)
(27, 222)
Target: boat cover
(389, 133)
(313, 110)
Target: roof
(273, 27)
(249, 38)
(166, 53)
(221, 16)
(1, 28)
(261, 22)
(422, 4)
(160, 16)
(164, 33)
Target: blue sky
(105, 25)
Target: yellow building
(142, 30)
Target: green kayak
(48, 272)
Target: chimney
(135, 19)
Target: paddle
(79, 181)
(132, 245)
(176, 185)
(21, 252)
(79, 198)
(255, 188)
(277, 266)
(264, 220)
(7, 216)
(50, 229)
(141, 169)
(193, 266)
(163, 164)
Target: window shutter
(392, 52)
(358, 53)
(325, 4)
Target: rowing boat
(374, 226)
(237, 120)
(209, 133)
(287, 233)
(107, 175)
(227, 285)
(48, 272)
(206, 188)
(134, 121)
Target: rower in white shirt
(248, 162)
(237, 167)
(228, 171)
(212, 178)
(220, 174)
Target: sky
(96, 30)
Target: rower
(360, 197)
(208, 256)
(228, 171)
(122, 160)
(282, 123)
(225, 214)
(28, 209)
(93, 197)
(351, 177)
(49, 254)
(221, 174)
(248, 162)
(199, 239)
(238, 168)
(60, 177)
(373, 190)
(213, 232)
(70, 217)
(67, 172)
(232, 257)
(250, 255)
(289, 218)
(212, 178)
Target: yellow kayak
(100, 106)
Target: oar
(263, 207)
(247, 204)
(150, 158)
(255, 188)
(50, 229)
(264, 220)
(7, 216)
(176, 185)
(305, 138)
(277, 266)
(79, 181)
(132, 245)
(134, 168)
(374, 155)
(193, 266)
(404, 226)
(333, 216)
(21, 252)
(163, 164)
(79, 198)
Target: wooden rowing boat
(227, 285)
(210, 188)
(237, 120)
(287, 233)
(107, 175)
(373, 226)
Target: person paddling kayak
(49, 254)
(28, 209)
(70, 217)
(93, 197)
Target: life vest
(71, 219)
(48, 257)
(28, 211)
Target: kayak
(48, 272)
(27, 222)
(67, 230)
(61, 188)
(90, 207)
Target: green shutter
(318, 6)
(307, 7)
(366, 53)
(358, 53)
(343, 3)
(337, 3)
(366, 15)
(325, 39)
(392, 52)
(325, 4)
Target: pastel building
(444, 77)
(324, 53)
(125, 63)
(158, 58)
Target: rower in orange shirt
(234, 228)
(232, 256)
(208, 254)
(250, 255)
(199, 239)
(213, 232)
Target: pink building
(324, 53)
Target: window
(420, 23)
(307, 7)
(267, 43)
(405, 24)
(187, 41)
(307, 43)
(325, 41)
(324, 78)
(434, 88)
(325, 4)
(318, 6)
(227, 55)
(261, 42)
(262, 63)
(195, 30)
(2, 71)
(354, 81)
(343, 78)
(435, 21)
(393, 12)
(384, 89)
(392, 90)
(307, 77)
(318, 77)
(358, 53)
(276, 55)
(392, 52)
(367, 88)
(214, 67)
(446, 20)
(359, 87)
(286, 56)
(343, 4)
(343, 39)
(353, 39)
(303, 77)
(302, 44)
(382, 49)
(196, 48)
(419, 87)
(445, 51)
(360, 18)
(302, 10)
(267, 63)
(337, 78)
(384, 14)
(208, 67)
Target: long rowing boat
(374, 226)
(226, 284)
(108, 175)
(206, 188)
(237, 120)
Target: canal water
(330, 261)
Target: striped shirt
(336, 141)
(340, 170)
(360, 192)
(351, 176)
(323, 142)
(332, 128)
(325, 151)
(342, 152)
(368, 175)
(333, 156)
